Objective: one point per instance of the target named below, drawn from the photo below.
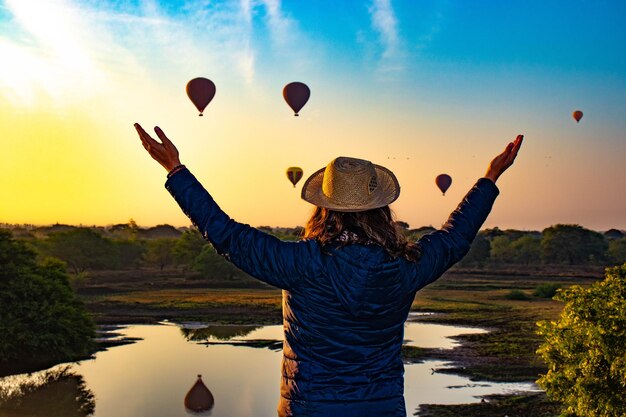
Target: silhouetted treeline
(164, 247)
(561, 244)
(127, 247)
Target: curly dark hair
(376, 226)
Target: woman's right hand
(164, 153)
(500, 163)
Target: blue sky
(424, 87)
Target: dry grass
(201, 297)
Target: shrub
(547, 290)
(584, 349)
(517, 295)
(41, 319)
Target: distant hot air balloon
(199, 398)
(296, 94)
(577, 115)
(201, 91)
(294, 174)
(443, 181)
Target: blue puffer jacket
(343, 309)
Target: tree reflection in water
(59, 392)
(228, 334)
(219, 332)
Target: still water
(149, 378)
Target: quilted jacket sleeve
(447, 246)
(278, 263)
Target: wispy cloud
(385, 24)
(77, 48)
(280, 26)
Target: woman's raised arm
(448, 245)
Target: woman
(348, 285)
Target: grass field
(500, 301)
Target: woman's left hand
(502, 162)
(164, 153)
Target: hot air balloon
(443, 181)
(200, 91)
(294, 174)
(296, 94)
(577, 115)
(199, 398)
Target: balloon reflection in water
(199, 398)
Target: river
(150, 377)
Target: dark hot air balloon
(296, 94)
(443, 181)
(200, 91)
(199, 398)
(294, 174)
(577, 115)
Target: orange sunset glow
(75, 76)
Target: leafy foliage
(479, 251)
(214, 267)
(617, 250)
(584, 349)
(160, 252)
(40, 316)
(188, 246)
(572, 244)
(546, 290)
(82, 248)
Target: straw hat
(350, 184)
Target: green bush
(517, 295)
(41, 319)
(546, 290)
(584, 349)
(617, 250)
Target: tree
(160, 252)
(526, 249)
(82, 248)
(188, 246)
(42, 320)
(617, 250)
(479, 251)
(572, 244)
(501, 249)
(584, 349)
(212, 265)
(126, 253)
